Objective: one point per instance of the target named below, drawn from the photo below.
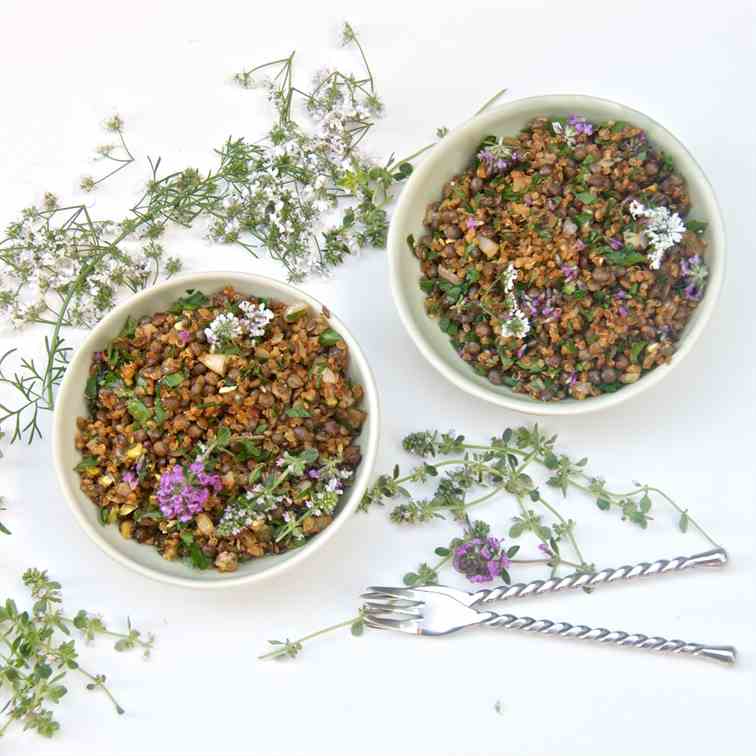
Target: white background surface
(164, 67)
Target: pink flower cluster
(182, 493)
(480, 559)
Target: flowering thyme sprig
(265, 497)
(36, 659)
(569, 129)
(182, 492)
(469, 474)
(695, 271)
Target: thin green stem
(356, 41)
(303, 639)
(568, 529)
(97, 682)
(112, 634)
(487, 104)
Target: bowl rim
(205, 280)
(396, 246)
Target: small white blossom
(225, 327)
(516, 325)
(663, 229)
(566, 131)
(257, 318)
(509, 277)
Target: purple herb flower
(570, 272)
(182, 495)
(544, 548)
(623, 311)
(130, 478)
(473, 222)
(695, 271)
(313, 474)
(580, 125)
(521, 351)
(480, 559)
(185, 336)
(579, 245)
(498, 158)
(615, 243)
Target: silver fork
(439, 610)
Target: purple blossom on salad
(695, 271)
(498, 157)
(570, 272)
(182, 494)
(473, 222)
(131, 479)
(580, 124)
(615, 243)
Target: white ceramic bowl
(70, 404)
(452, 155)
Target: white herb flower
(566, 131)
(257, 318)
(509, 277)
(52, 253)
(225, 328)
(663, 229)
(516, 325)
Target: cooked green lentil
(221, 430)
(560, 263)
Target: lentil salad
(221, 430)
(562, 263)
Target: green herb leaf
(329, 337)
(297, 411)
(586, 198)
(192, 301)
(87, 463)
(174, 379)
(139, 411)
(198, 558)
(90, 389)
(697, 227)
(129, 328)
(626, 257)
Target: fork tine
(403, 626)
(398, 601)
(375, 609)
(395, 592)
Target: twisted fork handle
(722, 654)
(713, 558)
